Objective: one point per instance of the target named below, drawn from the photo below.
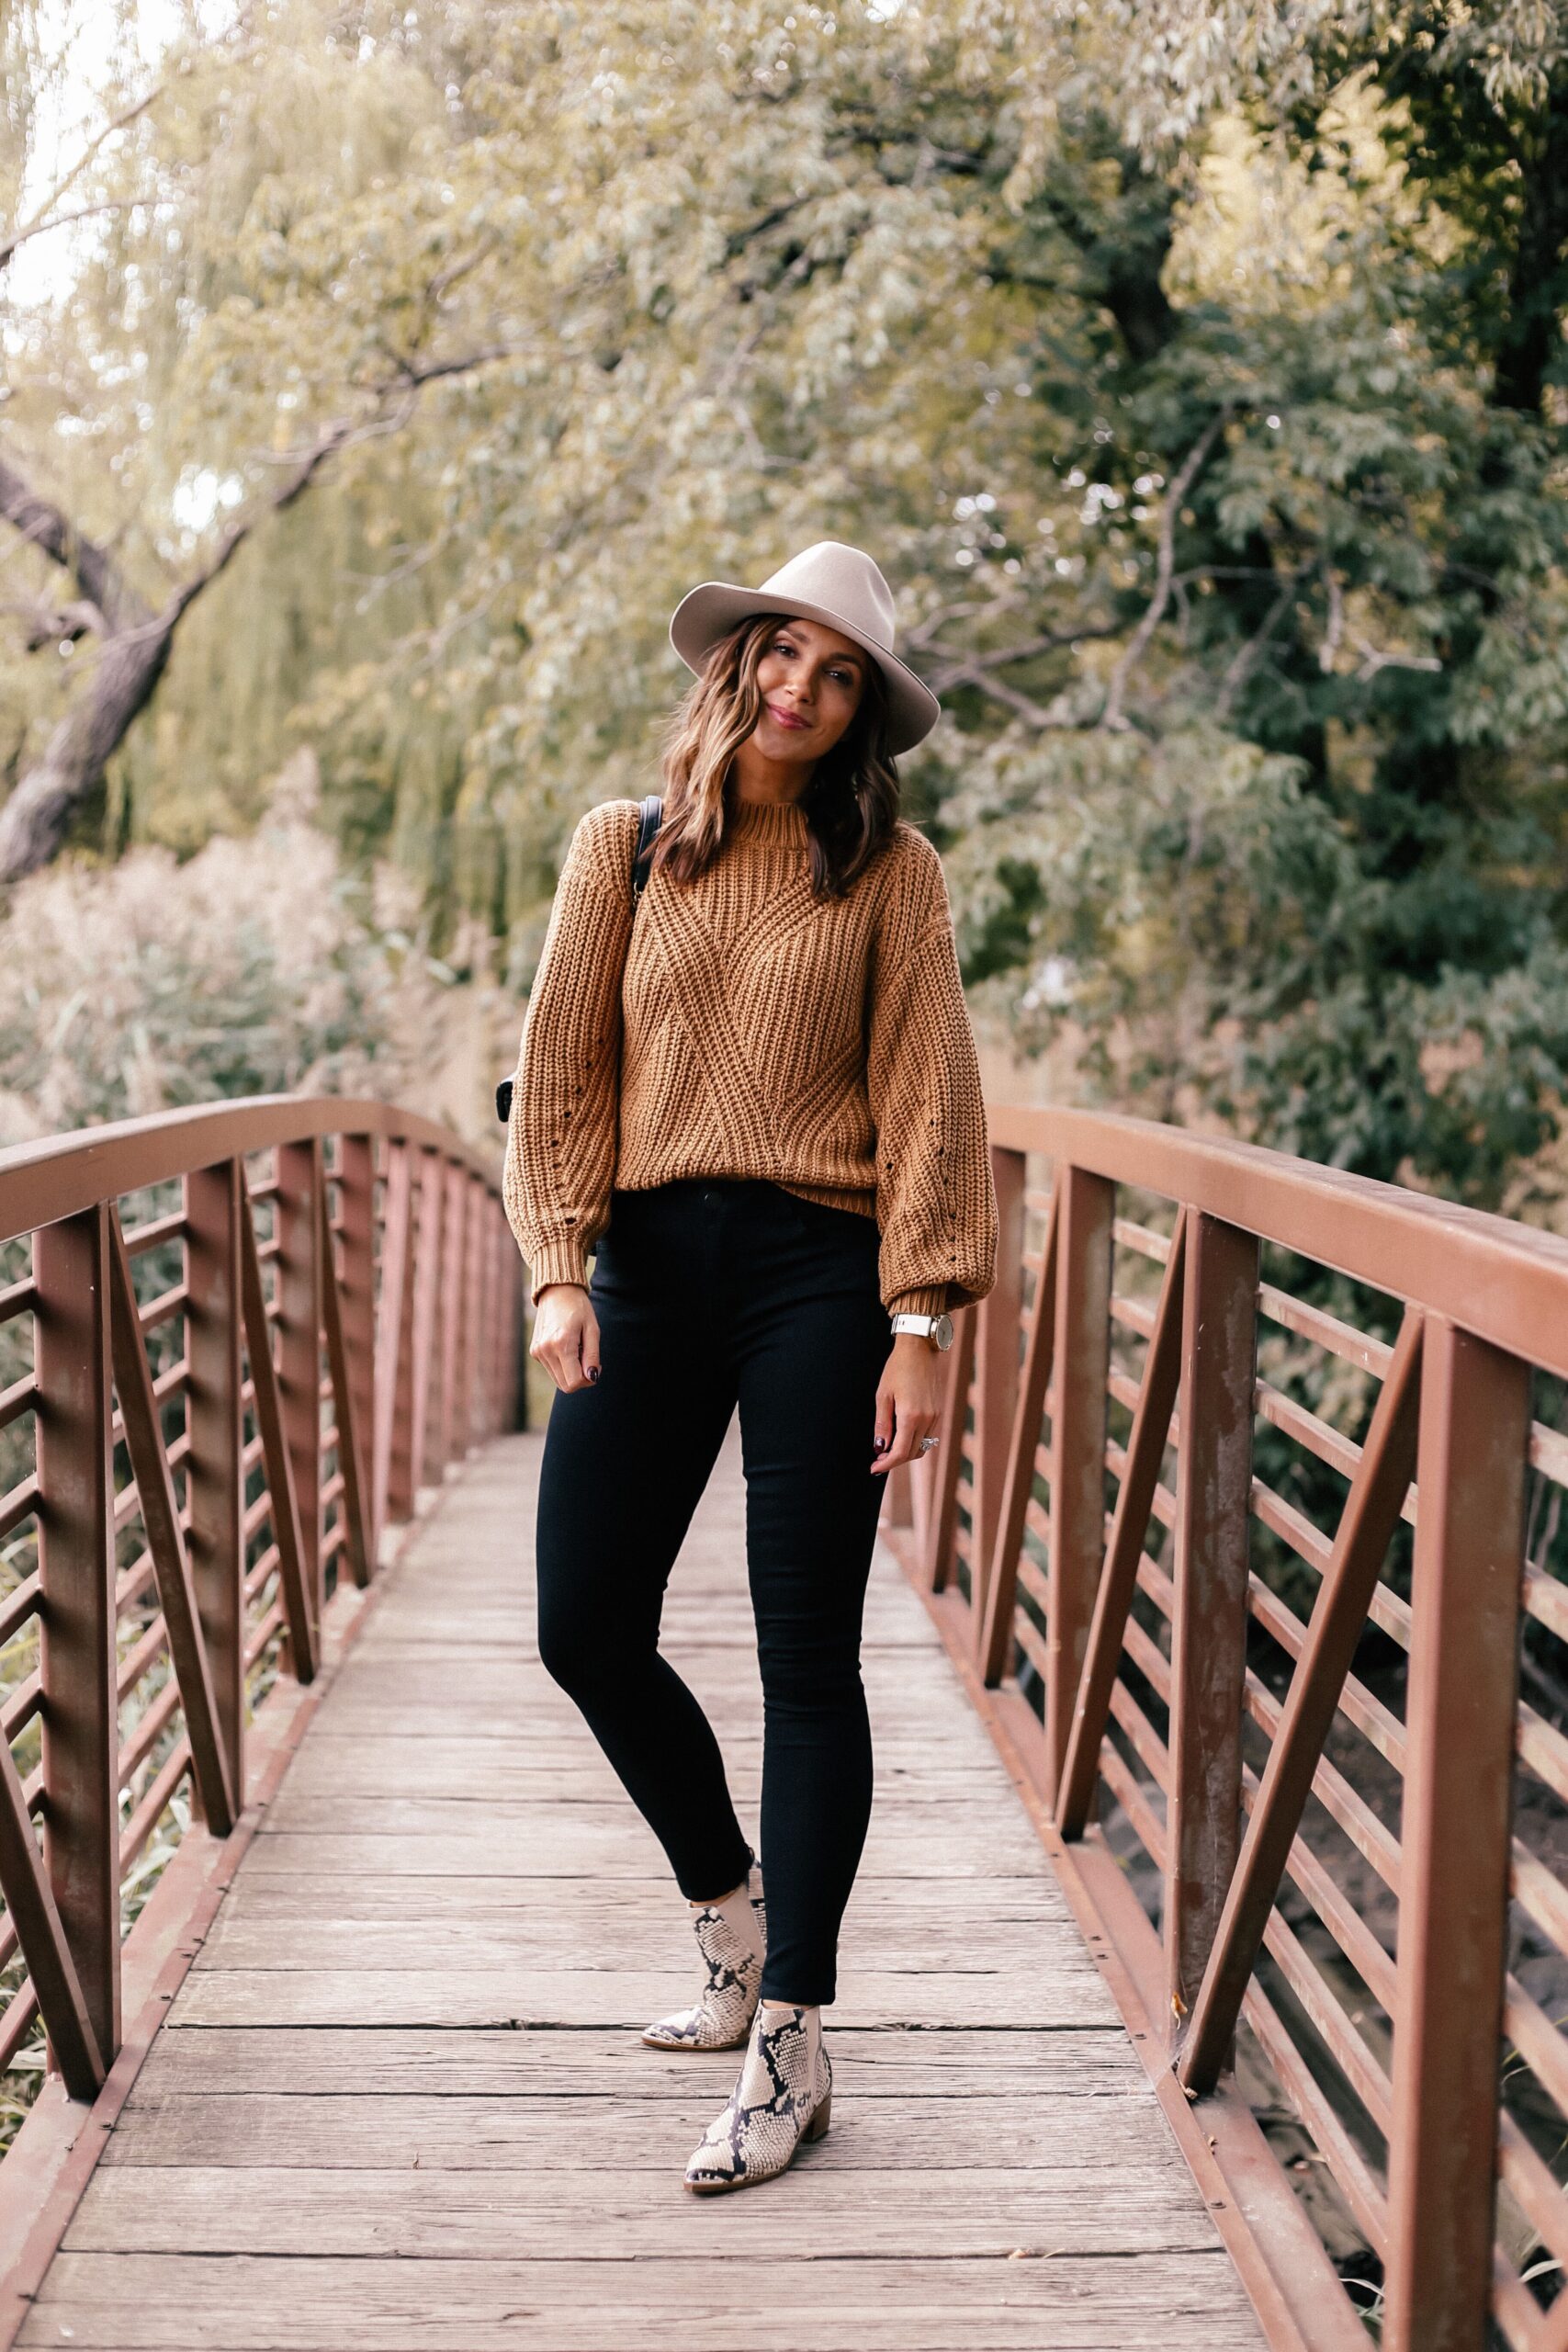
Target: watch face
(941, 1332)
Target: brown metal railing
(1246, 1533)
(234, 1343)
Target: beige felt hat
(829, 583)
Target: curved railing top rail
(59, 1176)
(1504, 1281)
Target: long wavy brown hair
(851, 803)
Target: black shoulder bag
(647, 828)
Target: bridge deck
(400, 2102)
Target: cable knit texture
(738, 1026)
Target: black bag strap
(646, 832)
(650, 818)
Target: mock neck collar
(767, 821)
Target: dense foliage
(1195, 372)
(254, 967)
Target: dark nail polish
(593, 1371)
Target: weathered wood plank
(980, 2063)
(647, 1907)
(890, 1938)
(945, 1826)
(443, 2215)
(599, 1840)
(1091, 2132)
(381, 1765)
(148, 2302)
(532, 1995)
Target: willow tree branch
(125, 674)
(40, 227)
(47, 527)
(45, 217)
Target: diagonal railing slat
(1113, 1599)
(1372, 1510)
(1018, 1484)
(277, 1461)
(166, 1539)
(356, 1498)
(214, 1210)
(41, 1936)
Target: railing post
(476, 1227)
(1219, 1358)
(427, 1288)
(490, 1353)
(1453, 1908)
(75, 1520)
(944, 1465)
(514, 1393)
(1082, 1362)
(495, 1348)
(482, 1331)
(394, 1352)
(357, 1290)
(996, 1345)
(453, 1302)
(214, 1546)
(299, 1264)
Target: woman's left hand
(908, 1401)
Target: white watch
(936, 1329)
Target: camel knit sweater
(739, 1027)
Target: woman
(760, 1104)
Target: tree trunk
(37, 818)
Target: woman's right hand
(565, 1335)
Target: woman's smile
(784, 716)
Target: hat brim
(709, 612)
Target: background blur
(376, 378)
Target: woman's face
(811, 681)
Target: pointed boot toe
(782, 2096)
(732, 1938)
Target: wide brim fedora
(840, 587)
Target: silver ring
(927, 1443)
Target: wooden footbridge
(1206, 1977)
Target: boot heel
(820, 2120)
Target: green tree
(1195, 374)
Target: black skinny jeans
(711, 1292)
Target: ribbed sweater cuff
(556, 1262)
(931, 1300)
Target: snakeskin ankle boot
(732, 1938)
(783, 2095)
